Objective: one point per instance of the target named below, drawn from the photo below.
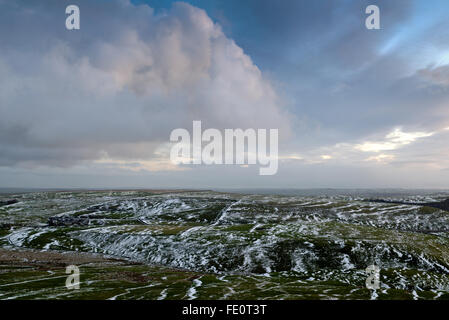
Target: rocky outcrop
(443, 205)
(66, 220)
(8, 202)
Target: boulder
(8, 202)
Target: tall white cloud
(122, 83)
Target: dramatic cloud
(116, 88)
(95, 107)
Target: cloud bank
(117, 87)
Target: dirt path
(50, 258)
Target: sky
(94, 107)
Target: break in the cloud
(419, 151)
(392, 141)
